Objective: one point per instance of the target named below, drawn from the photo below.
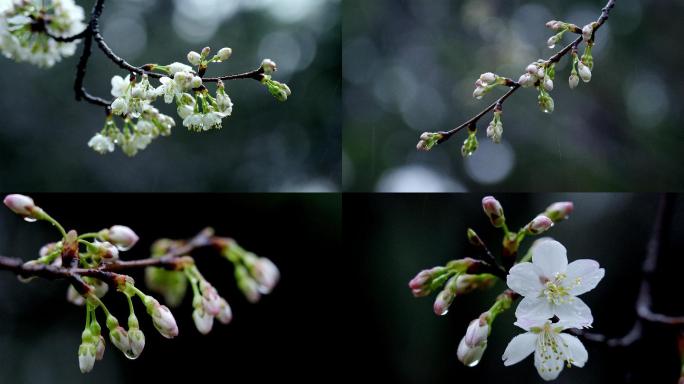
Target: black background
(289, 335)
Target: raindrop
(30, 219)
(474, 363)
(552, 46)
(546, 111)
(444, 313)
(122, 248)
(130, 355)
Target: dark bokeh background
(288, 336)
(264, 146)
(409, 67)
(395, 236)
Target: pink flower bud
(266, 274)
(123, 237)
(162, 318)
(203, 321)
(107, 251)
(539, 224)
(477, 333)
(443, 302)
(225, 315)
(100, 348)
(526, 80)
(210, 298)
(494, 211)
(559, 211)
(470, 356)
(532, 69)
(21, 205)
(554, 25)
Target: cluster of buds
(207, 303)
(278, 90)
(486, 83)
(495, 127)
(428, 140)
(255, 275)
(470, 144)
(90, 257)
(540, 74)
(458, 277)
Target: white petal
(574, 314)
(576, 350)
(583, 275)
(550, 257)
(519, 348)
(523, 278)
(527, 323)
(534, 309)
(548, 369)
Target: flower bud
(269, 66)
(532, 69)
(203, 321)
(428, 140)
(224, 54)
(225, 315)
(479, 92)
(587, 32)
(548, 84)
(100, 348)
(584, 72)
(420, 284)
(554, 25)
(162, 318)
(470, 356)
(527, 80)
(74, 297)
(121, 236)
(136, 339)
(559, 211)
(488, 77)
(22, 205)
(119, 337)
(266, 274)
(546, 103)
(494, 211)
(206, 51)
(107, 251)
(196, 82)
(538, 225)
(210, 299)
(443, 301)
(87, 353)
(477, 332)
(194, 58)
(573, 80)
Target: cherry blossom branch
(92, 32)
(174, 259)
(428, 140)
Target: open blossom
(552, 348)
(550, 285)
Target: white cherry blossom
(552, 348)
(550, 285)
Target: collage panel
(279, 133)
(191, 254)
(408, 74)
(440, 302)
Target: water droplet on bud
(474, 363)
(130, 355)
(30, 219)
